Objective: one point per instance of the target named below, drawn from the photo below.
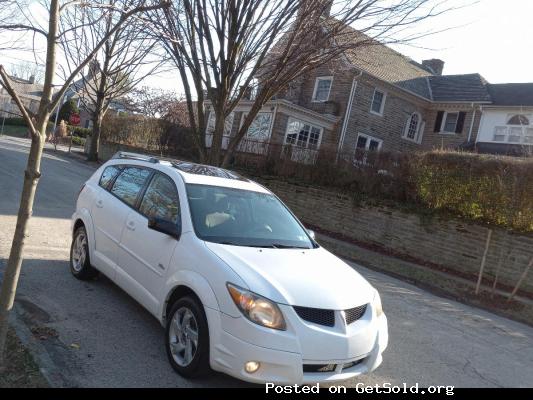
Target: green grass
(14, 130)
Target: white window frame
(245, 114)
(419, 129)
(317, 80)
(369, 138)
(301, 121)
(443, 123)
(228, 124)
(382, 109)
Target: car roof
(193, 173)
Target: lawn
(14, 130)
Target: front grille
(353, 314)
(319, 367)
(314, 368)
(352, 364)
(316, 315)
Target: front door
(145, 254)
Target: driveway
(97, 336)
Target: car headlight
(377, 304)
(256, 308)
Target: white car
(239, 284)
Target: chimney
(32, 79)
(434, 65)
(94, 68)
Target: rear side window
(161, 200)
(108, 175)
(129, 183)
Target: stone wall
(446, 245)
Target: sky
(490, 37)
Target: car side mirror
(166, 227)
(311, 234)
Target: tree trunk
(98, 117)
(218, 137)
(12, 271)
(31, 178)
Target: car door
(145, 254)
(121, 185)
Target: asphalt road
(106, 339)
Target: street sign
(74, 119)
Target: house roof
(459, 88)
(27, 89)
(511, 94)
(384, 63)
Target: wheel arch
(83, 218)
(191, 283)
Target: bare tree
(224, 49)
(125, 59)
(151, 102)
(51, 32)
(28, 71)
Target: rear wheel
(187, 338)
(80, 264)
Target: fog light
(251, 366)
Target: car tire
(80, 264)
(187, 325)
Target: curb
(47, 367)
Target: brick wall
(456, 246)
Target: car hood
(308, 278)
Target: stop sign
(74, 119)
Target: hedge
(495, 190)
(17, 121)
(79, 131)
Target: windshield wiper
(285, 246)
(265, 246)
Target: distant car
(238, 283)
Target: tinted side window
(129, 183)
(108, 175)
(161, 199)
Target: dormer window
(322, 89)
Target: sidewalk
(438, 282)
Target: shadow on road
(96, 333)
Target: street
(105, 339)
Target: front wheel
(80, 264)
(187, 338)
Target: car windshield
(244, 218)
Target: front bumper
(231, 350)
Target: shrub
(490, 189)
(17, 121)
(497, 190)
(79, 131)
(78, 141)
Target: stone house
(29, 92)
(374, 98)
(82, 91)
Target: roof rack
(135, 156)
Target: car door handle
(130, 225)
(99, 203)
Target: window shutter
(460, 122)
(438, 122)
